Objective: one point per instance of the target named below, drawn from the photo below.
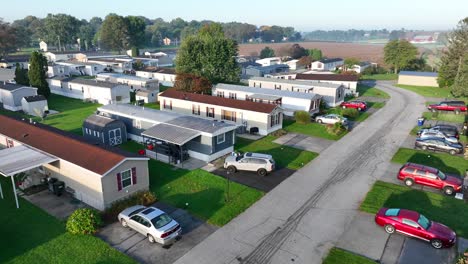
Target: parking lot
(138, 247)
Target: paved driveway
(304, 216)
(314, 144)
(417, 251)
(137, 246)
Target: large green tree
(38, 72)
(267, 52)
(136, 31)
(460, 85)
(399, 53)
(209, 54)
(315, 54)
(60, 29)
(452, 59)
(21, 75)
(114, 33)
(7, 39)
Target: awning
(21, 158)
(172, 134)
(265, 97)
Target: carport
(19, 159)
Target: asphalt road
(302, 218)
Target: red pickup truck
(456, 106)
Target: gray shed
(35, 105)
(104, 130)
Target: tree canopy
(399, 53)
(7, 39)
(21, 75)
(114, 33)
(315, 54)
(37, 73)
(267, 52)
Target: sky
(303, 15)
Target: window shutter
(134, 178)
(119, 182)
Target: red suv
(456, 106)
(359, 105)
(412, 173)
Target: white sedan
(151, 222)
(331, 119)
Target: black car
(448, 130)
(438, 144)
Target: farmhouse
(165, 76)
(332, 94)
(95, 175)
(418, 78)
(251, 116)
(288, 100)
(327, 64)
(93, 90)
(172, 137)
(12, 94)
(349, 81)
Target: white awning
(22, 158)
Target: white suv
(261, 163)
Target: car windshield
(161, 220)
(424, 222)
(441, 175)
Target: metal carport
(20, 159)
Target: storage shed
(104, 130)
(35, 105)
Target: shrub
(302, 117)
(336, 129)
(435, 115)
(350, 112)
(279, 133)
(84, 221)
(139, 198)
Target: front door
(115, 137)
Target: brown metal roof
(214, 100)
(63, 145)
(327, 77)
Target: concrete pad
(314, 144)
(7, 74)
(59, 206)
(392, 249)
(418, 251)
(364, 237)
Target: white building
(332, 94)
(165, 76)
(327, 64)
(68, 68)
(114, 64)
(135, 82)
(269, 61)
(34, 105)
(12, 94)
(147, 96)
(43, 46)
(359, 68)
(349, 81)
(293, 64)
(92, 90)
(289, 101)
(54, 56)
(249, 116)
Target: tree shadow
(431, 160)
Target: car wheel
(436, 243)
(344, 106)
(409, 182)
(359, 109)
(389, 229)
(424, 147)
(448, 190)
(151, 238)
(319, 121)
(123, 222)
(452, 152)
(262, 172)
(231, 169)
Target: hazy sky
(301, 14)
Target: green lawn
(442, 161)
(284, 156)
(437, 207)
(311, 129)
(153, 106)
(201, 193)
(431, 91)
(380, 77)
(340, 256)
(163, 88)
(448, 117)
(376, 105)
(30, 235)
(368, 91)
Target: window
(410, 223)
(69, 86)
(126, 178)
(233, 95)
(228, 115)
(220, 138)
(210, 112)
(161, 220)
(275, 119)
(408, 170)
(82, 89)
(220, 93)
(424, 222)
(195, 109)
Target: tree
(136, 31)
(21, 75)
(315, 54)
(86, 34)
(452, 58)
(37, 73)
(350, 62)
(267, 52)
(305, 61)
(60, 29)
(209, 54)
(7, 39)
(399, 53)
(114, 33)
(460, 85)
(138, 65)
(193, 84)
(296, 51)
(135, 52)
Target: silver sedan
(331, 119)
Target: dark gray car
(438, 144)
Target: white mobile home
(165, 76)
(12, 94)
(135, 82)
(349, 81)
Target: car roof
(408, 214)
(445, 126)
(151, 212)
(422, 167)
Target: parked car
(428, 133)
(151, 222)
(455, 106)
(359, 105)
(412, 173)
(438, 144)
(331, 119)
(261, 163)
(416, 225)
(449, 130)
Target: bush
(435, 115)
(350, 112)
(302, 117)
(279, 133)
(139, 198)
(336, 129)
(84, 221)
